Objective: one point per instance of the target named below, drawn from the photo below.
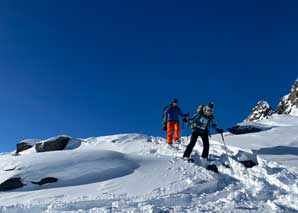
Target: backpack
(200, 108)
(199, 112)
(164, 117)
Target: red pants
(173, 126)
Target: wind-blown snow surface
(137, 173)
(277, 144)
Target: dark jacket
(172, 113)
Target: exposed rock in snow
(52, 144)
(46, 181)
(11, 183)
(250, 127)
(289, 103)
(26, 144)
(260, 112)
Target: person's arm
(192, 119)
(214, 126)
(181, 113)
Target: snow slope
(137, 173)
(278, 144)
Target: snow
(138, 173)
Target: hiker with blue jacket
(200, 124)
(171, 116)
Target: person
(171, 120)
(200, 124)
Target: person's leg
(170, 129)
(205, 139)
(191, 145)
(177, 131)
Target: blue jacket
(201, 122)
(172, 113)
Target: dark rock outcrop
(11, 184)
(45, 181)
(52, 144)
(212, 168)
(245, 129)
(23, 146)
(248, 163)
(289, 103)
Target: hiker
(171, 121)
(200, 124)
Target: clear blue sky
(91, 68)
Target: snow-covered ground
(278, 144)
(138, 173)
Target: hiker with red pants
(171, 120)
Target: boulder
(244, 129)
(289, 103)
(212, 168)
(248, 159)
(10, 184)
(249, 163)
(23, 146)
(45, 181)
(53, 144)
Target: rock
(23, 146)
(289, 103)
(212, 168)
(53, 144)
(248, 163)
(248, 159)
(261, 111)
(10, 184)
(10, 169)
(45, 181)
(245, 129)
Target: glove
(165, 127)
(219, 131)
(185, 120)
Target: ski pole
(180, 140)
(223, 140)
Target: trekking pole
(223, 140)
(180, 140)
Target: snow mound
(69, 167)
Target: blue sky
(91, 68)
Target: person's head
(175, 102)
(208, 109)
